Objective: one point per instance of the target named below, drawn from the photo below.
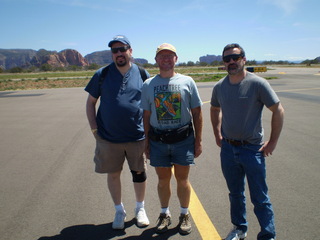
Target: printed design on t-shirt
(167, 101)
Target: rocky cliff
(105, 57)
(100, 57)
(24, 58)
(10, 58)
(210, 58)
(64, 58)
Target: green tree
(148, 65)
(190, 64)
(203, 64)
(46, 67)
(16, 70)
(216, 63)
(74, 68)
(93, 66)
(251, 62)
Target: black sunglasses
(234, 57)
(121, 49)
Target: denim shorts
(165, 155)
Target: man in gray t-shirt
(236, 115)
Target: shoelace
(184, 219)
(163, 219)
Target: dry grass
(25, 81)
(10, 85)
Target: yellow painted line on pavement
(201, 219)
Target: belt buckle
(235, 142)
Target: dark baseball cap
(119, 38)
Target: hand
(267, 148)
(218, 141)
(197, 150)
(147, 150)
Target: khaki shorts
(109, 157)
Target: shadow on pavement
(105, 231)
(12, 95)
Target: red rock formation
(72, 57)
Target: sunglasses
(234, 57)
(121, 49)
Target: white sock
(165, 210)
(119, 208)
(140, 204)
(184, 210)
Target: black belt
(236, 142)
(171, 135)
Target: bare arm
(216, 119)
(276, 127)
(91, 113)
(198, 123)
(146, 125)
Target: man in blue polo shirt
(117, 127)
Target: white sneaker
(236, 234)
(141, 216)
(118, 222)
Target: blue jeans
(238, 162)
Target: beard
(234, 68)
(121, 61)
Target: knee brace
(141, 177)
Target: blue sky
(266, 29)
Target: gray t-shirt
(241, 105)
(170, 100)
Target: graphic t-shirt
(170, 100)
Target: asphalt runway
(49, 190)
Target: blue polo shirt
(119, 116)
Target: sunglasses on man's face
(121, 49)
(234, 57)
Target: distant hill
(210, 58)
(10, 58)
(100, 57)
(140, 61)
(25, 58)
(105, 58)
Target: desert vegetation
(67, 79)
